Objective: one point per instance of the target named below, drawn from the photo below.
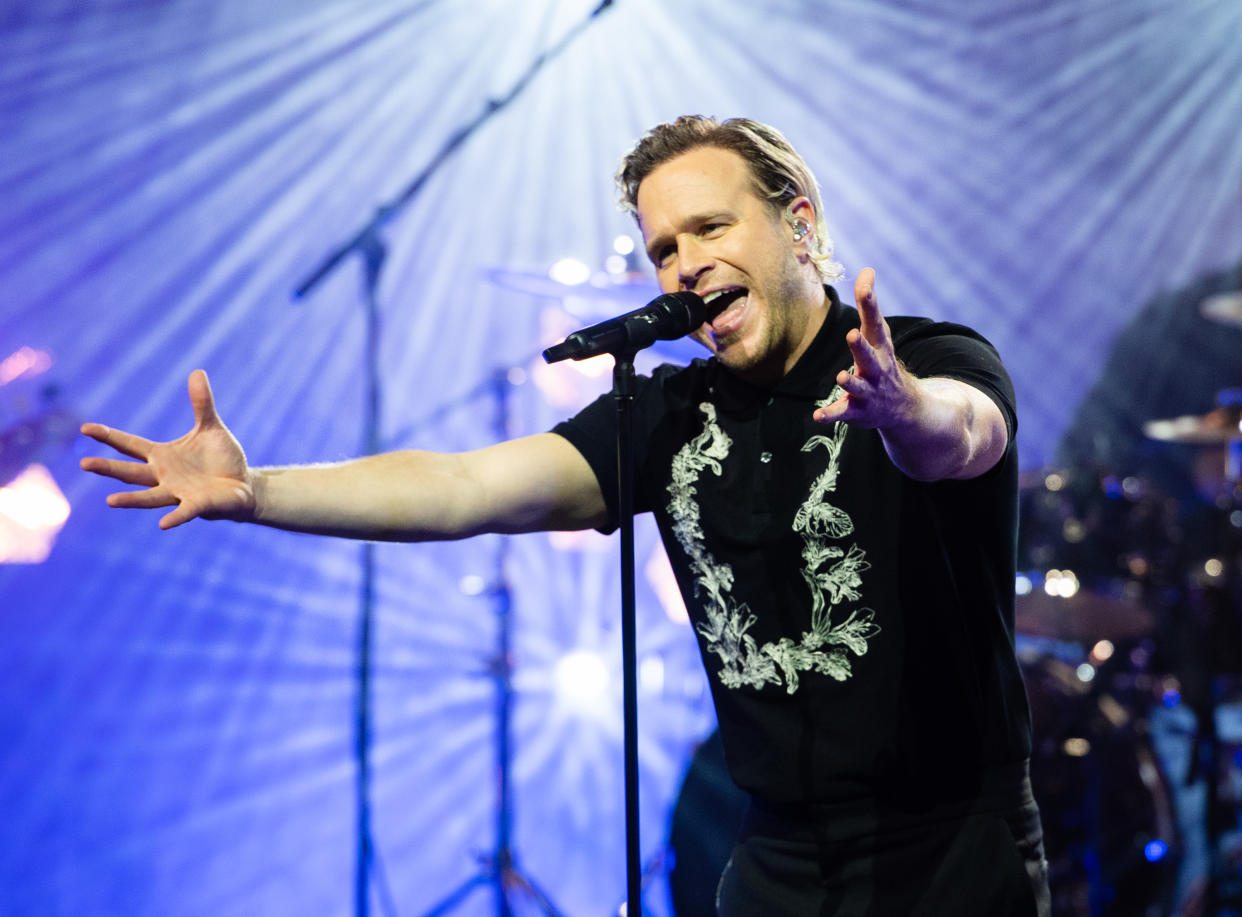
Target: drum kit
(1122, 631)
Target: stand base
(499, 872)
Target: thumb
(201, 400)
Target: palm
(876, 390)
(203, 474)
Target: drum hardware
(1096, 555)
(1225, 308)
(1082, 616)
(1218, 427)
(1110, 832)
(1093, 548)
(1217, 585)
(604, 289)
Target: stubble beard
(781, 327)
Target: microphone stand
(666, 317)
(373, 252)
(623, 396)
(367, 243)
(500, 868)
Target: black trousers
(978, 864)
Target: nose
(692, 263)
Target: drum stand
(1218, 635)
(1223, 615)
(369, 245)
(499, 868)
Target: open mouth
(725, 308)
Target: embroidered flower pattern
(832, 573)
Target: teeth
(712, 297)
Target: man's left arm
(932, 428)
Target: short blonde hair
(779, 173)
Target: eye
(663, 254)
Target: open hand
(879, 393)
(203, 474)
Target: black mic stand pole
(623, 396)
(665, 318)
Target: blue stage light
(1155, 850)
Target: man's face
(707, 230)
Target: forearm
(398, 496)
(536, 483)
(949, 430)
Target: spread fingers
(127, 472)
(142, 499)
(125, 443)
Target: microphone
(665, 318)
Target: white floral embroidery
(832, 573)
(727, 622)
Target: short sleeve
(593, 432)
(951, 351)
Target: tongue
(727, 306)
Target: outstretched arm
(932, 428)
(536, 483)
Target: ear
(800, 215)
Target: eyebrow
(698, 219)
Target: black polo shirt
(856, 625)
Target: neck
(815, 314)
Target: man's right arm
(536, 483)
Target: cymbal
(1223, 307)
(602, 288)
(1084, 616)
(1211, 429)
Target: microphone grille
(688, 308)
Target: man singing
(837, 494)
